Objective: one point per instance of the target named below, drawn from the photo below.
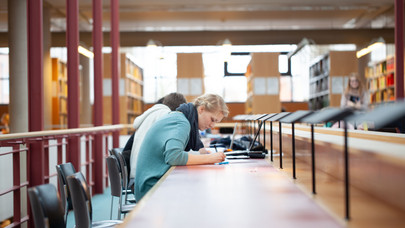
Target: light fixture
(301, 45)
(226, 43)
(226, 49)
(373, 46)
(153, 43)
(82, 50)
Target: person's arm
(201, 159)
(343, 101)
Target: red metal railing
(18, 145)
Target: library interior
(216, 113)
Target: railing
(23, 154)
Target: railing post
(97, 153)
(115, 74)
(72, 43)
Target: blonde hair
(212, 103)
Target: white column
(85, 106)
(17, 36)
(18, 67)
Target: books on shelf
(380, 78)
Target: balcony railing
(25, 155)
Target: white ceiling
(228, 15)
(196, 15)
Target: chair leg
(66, 215)
(119, 213)
(111, 208)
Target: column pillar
(17, 36)
(98, 153)
(72, 44)
(399, 49)
(115, 74)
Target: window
(4, 79)
(237, 64)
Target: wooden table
(244, 193)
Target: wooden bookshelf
(130, 89)
(59, 94)
(328, 77)
(263, 84)
(380, 79)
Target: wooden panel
(190, 65)
(265, 64)
(107, 66)
(265, 104)
(334, 100)
(244, 193)
(107, 113)
(343, 63)
(294, 106)
(377, 166)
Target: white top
(142, 124)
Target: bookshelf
(130, 89)
(59, 94)
(328, 77)
(380, 79)
(263, 84)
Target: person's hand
(350, 104)
(357, 105)
(217, 157)
(204, 151)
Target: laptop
(245, 153)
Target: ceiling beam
(131, 39)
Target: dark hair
(160, 101)
(174, 100)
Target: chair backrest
(117, 152)
(115, 176)
(64, 170)
(81, 199)
(46, 206)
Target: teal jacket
(162, 147)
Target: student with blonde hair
(168, 140)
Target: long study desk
(243, 193)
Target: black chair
(116, 186)
(82, 207)
(123, 169)
(46, 206)
(64, 170)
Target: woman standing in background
(354, 96)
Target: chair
(82, 207)
(123, 169)
(64, 170)
(46, 206)
(116, 186)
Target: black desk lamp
(277, 117)
(326, 115)
(293, 118)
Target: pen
(222, 163)
(215, 146)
